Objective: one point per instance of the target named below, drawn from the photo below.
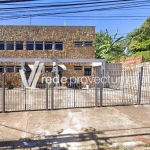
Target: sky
(124, 25)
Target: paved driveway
(80, 128)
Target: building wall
(66, 34)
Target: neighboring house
(75, 42)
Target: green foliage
(145, 54)
(140, 38)
(147, 145)
(109, 47)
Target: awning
(95, 64)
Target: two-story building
(74, 42)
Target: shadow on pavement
(55, 142)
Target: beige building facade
(65, 42)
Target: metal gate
(127, 86)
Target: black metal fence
(130, 87)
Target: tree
(140, 38)
(109, 47)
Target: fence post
(46, 91)
(52, 92)
(3, 93)
(101, 88)
(139, 85)
(95, 81)
(22, 68)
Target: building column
(22, 68)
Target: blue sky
(124, 26)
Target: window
(2, 45)
(48, 68)
(10, 69)
(10, 45)
(88, 43)
(39, 46)
(48, 45)
(29, 45)
(78, 43)
(87, 71)
(18, 68)
(19, 45)
(1, 68)
(77, 67)
(58, 45)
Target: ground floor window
(48, 68)
(1, 68)
(10, 68)
(18, 68)
(77, 67)
(87, 70)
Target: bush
(9, 84)
(145, 54)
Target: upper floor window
(29, 45)
(39, 45)
(88, 43)
(19, 45)
(78, 43)
(48, 68)
(18, 68)
(58, 45)
(10, 45)
(1, 68)
(77, 67)
(87, 71)
(10, 68)
(48, 45)
(2, 45)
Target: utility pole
(65, 23)
(30, 19)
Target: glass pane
(29, 45)
(1, 45)
(1, 68)
(78, 43)
(49, 69)
(77, 67)
(18, 68)
(88, 43)
(19, 45)
(10, 45)
(39, 45)
(59, 46)
(10, 68)
(87, 71)
(48, 45)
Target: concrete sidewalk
(81, 128)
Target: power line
(78, 9)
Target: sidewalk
(80, 128)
